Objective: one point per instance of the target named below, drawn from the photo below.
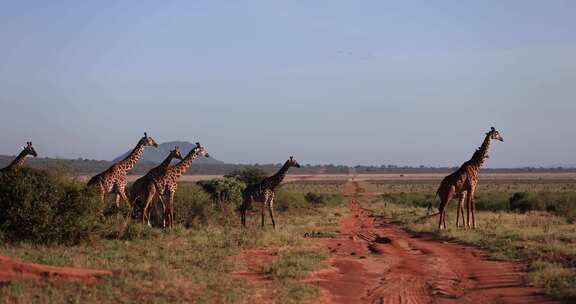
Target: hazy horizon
(410, 83)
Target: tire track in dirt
(375, 261)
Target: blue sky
(347, 82)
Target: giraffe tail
(428, 215)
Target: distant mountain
(157, 155)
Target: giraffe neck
(481, 154)
(131, 160)
(181, 167)
(166, 161)
(19, 160)
(275, 180)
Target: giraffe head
(292, 162)
(148, 141)
(200, 150)
(29, 150)
(176, 153)
(494, 134)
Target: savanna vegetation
(49, 217)
(536, 229)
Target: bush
(290, 201)
(193, 206)
(324, 199)
(248, 175)
(492, 201)
(526, 201)
(416, 199)
(314, 198)
(225, 190)
(44, 208)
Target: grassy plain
(183, 265)
(195, 261)
(542, 240)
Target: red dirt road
(12, 269)
(375, 261)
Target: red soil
(375, 261)
(250, 263)
(12, 269)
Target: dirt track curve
(375, 261)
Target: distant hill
(157, 155)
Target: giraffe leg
(169, 212)
(473, 209)
(460, 211)
(117, 201)
(243, 208)
(469, 207)
(102, 197)
(145, 213)
(262, 211)
(125, 198)
(467, 212)
(271, 211)
(441, 215)
(445, 198)
(163, 210)
(246, 203)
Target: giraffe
(169, 182)
(264, 192)
(114, 178)
(463, 183)
(19, 160)
(145, 187)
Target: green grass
(290, 268)
(544, 242)
(501, 185)
(295, 264)
(559, 203)
(179, 265)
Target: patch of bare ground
(375, 261)
(13, 269)
(249, 265)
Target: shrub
(525, 201)
(290, 201)
(44, 208)
(417, 199)
(248, 175)
(492, 201)
(192, 206)
(318, 199)
(314, 198)
(225, 190)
